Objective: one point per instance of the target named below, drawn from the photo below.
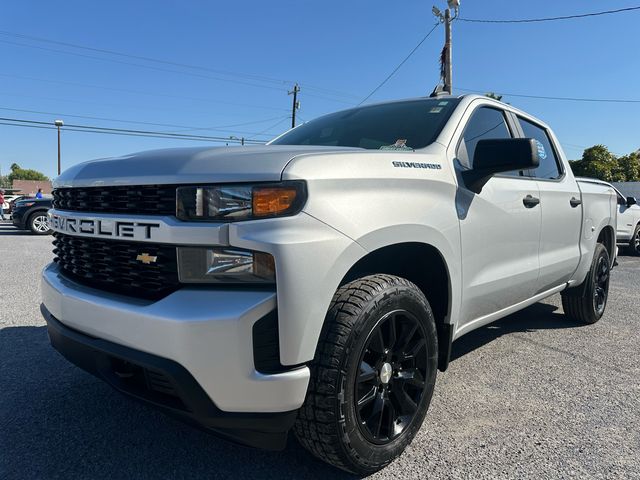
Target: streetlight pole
(59, 123)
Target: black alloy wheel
(601, 285)
(391, 382)
(586, 303)
(373, 374)
(635, 242)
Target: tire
(587, 303)
(394, 386)
(39, 223)
(634, 243)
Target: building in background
(30, 187)
(628, 189)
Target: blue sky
(339, 51)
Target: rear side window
(485, 123)
(548, 168)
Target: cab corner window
(548, 168)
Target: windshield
(406, 125)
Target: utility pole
(447, 58)
(296, 104)
(448, 66)
(59, 123)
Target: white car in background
(628, 225)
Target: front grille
(132, 200)
(112, 266)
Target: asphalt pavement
(533, 396)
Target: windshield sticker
(435, 110)
(542, 153)
(401, 144)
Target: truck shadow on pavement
(57, 421)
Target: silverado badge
(146, 258)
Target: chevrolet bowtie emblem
(146, 258)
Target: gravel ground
(532, 396)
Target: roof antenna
(438, 91)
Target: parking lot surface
(533, 396)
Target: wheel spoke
(412, 377)
(411, 353)
(392, 325)
(367, 398)
(404, 402)
(377, 342)
(367, 373)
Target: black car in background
(32, 215)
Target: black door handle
(530, 201)
(575, 202)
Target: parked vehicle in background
(14, 200)
(32, 215)
(7, 203)
(317, 283)
(628, 224)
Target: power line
(549, 19)
(252, 77)
(141, 92)
(400, 64)
(569, 99)
(119, 131)
(185, 127)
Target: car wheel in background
(39, 223)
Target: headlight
(228, 265)
(228, 203)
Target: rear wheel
(634, 244)
(587, 303)
(373, 375)
(39, 223)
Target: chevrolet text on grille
(104, 228)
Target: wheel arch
(424, 265)
(607, 237)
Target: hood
(188, 165)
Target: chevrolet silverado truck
(317, 283)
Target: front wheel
(39, 223)
(587, 303)
(373, 375)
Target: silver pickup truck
(317, 283)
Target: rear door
(499, 232)
(561, 208)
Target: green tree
(629, 166)
(19, 173)
(495, 96)
(597, 162)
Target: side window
(485, 123)
(548, 168)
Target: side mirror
(631, 201)
(500, 155)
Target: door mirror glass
(500, 155)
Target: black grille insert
(112, 265)
(132, 200)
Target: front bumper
(207, 332)
(167, 385)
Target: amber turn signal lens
(272, 201)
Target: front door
(500, 228)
